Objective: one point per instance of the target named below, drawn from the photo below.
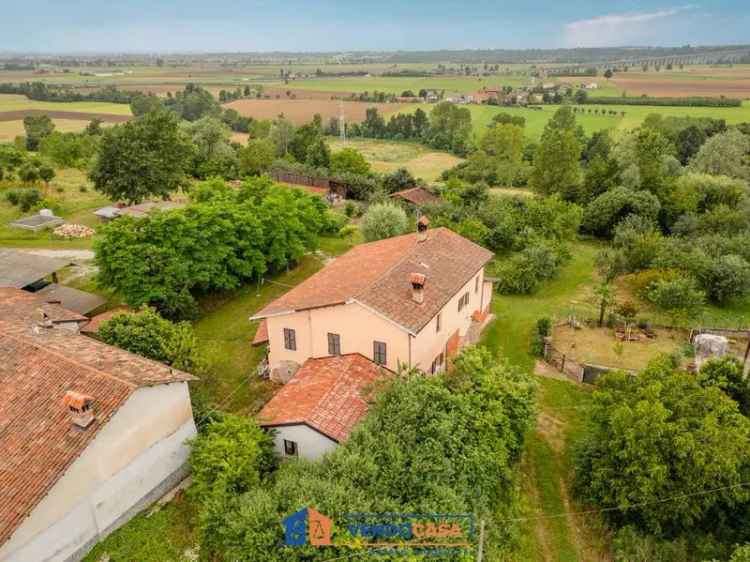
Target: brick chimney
(417, 281)
(422, 225)
(80, 410)
(42, 319)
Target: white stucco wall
(311, 444)
(142, 448)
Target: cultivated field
(21, 103)
(396, 85)
(388, 156)
(302, 111)
(9, 130)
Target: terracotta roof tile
(326, 394)
(378, 276)
(261, 334)
(38, 367)
(95, 323)
(417, 195)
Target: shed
(20, 269)
(417, 196)
(70, 298)
(107, 213)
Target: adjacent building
(89, 433)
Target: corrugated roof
(19, 269)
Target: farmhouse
(320, 405)
(413, 300)
(89, 434)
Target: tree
(46, 174)
(148, 156)
(726, 373)
(608, 73)
(724, 154)
(662, 435)
(257, 157)
(37, 127)
(304, 137)
(605, 295)
(449, 128)
(140, 104)
(349, 160)
(146, 333)
(398, 180)
(213, 153)
(281, 134)
(94, 128)
(383, 220)
(318, 154)
(556, 164)
(689, 142)
(194, 103)
(606, 211)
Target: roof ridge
(397, 263)
(30, 341)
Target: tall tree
(37, 127)
(556, 162)
(145, 157)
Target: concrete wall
(311, 444)
(359, 327)
(135, 458)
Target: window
(463, 301)
(290, 339)
(379, 353)
(476, 284)
(437, 323)
(290, 448)
(437, 364)
(334, 344)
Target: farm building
(90, 435)
(23, 269)
(416, 196)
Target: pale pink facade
(359, 326)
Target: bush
(525, 271)
(642, 281)
(605, 212)
(727, 278)
(383, 220)
(679, 293)
(24, 198)
(543, 330)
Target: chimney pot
(79, 407)
(42, 319)
(422, 225)
(417, 281)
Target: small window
(437, 323)
(463, 301)
(476, 284)
(334, 344)
(379, 353)
(290, 339)
(437, 364)
(290, 448)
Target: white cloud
(618, 29)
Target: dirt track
(18, 115)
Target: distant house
(89, 434)
(320, 405)
(590, 86)
(413, 300)
(416, 196)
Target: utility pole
(480, 549)
(342, 122)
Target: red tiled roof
(38, 367)
(377, 275)
(95, 323)
(261, 334)
(417, 195)
(327, 394)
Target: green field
(536, 119)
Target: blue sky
(331, 25)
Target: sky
(332, 25)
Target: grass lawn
(71, 203)
(158, 534)
(224, 333)
(388, 156)
(545, 472)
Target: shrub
(679, 293)
(605, 212)
(726, 278)
(542, 330)
(348, 230)
(24, 198)
(383, 220)
(524, 272)
(642, 281)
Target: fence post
(562, 365)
